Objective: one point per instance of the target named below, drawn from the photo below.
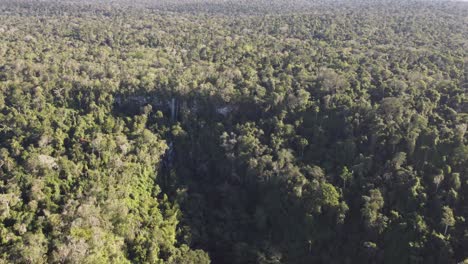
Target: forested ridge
(233, 132)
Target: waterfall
(173, 109)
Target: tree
(371, 209)
(346, 176)
(447, 218)
(438, 179)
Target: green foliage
(262, 132)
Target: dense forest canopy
(215, 131)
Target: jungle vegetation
(211, 131)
